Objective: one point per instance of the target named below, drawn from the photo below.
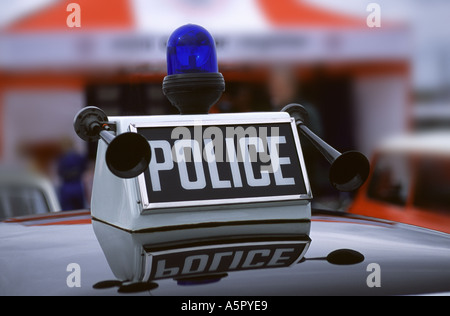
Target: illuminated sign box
(205, 168)
(222, 162)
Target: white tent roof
(246, 31)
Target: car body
(334, 253)
(25, 193)
(410, 181)
(265, 243)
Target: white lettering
(212, 166)
(255, 142)
(277, 258)
(162, 271)
(186, 183)
(217, 258)
(248, 263)
(277, 161)
(242, 155)
(189, 262)
(193, 306)
(237, 258)
(231, 156)
(155, 166)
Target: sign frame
(192, 122)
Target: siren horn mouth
(349, 170)
(128, 155)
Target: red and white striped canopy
(133, 33)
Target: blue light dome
(191, 49)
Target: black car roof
(336, 257)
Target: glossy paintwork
(412, 260)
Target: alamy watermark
(374, 277)
(74, 277)
(74, 18)
(374, 17)
(216, 146)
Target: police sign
(201, 162)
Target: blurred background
(362, 81)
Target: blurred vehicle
(409, 181)
(25, 193)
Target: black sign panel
(216, 164)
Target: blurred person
(283, 89)
(238, 98)
(39, 156)
(243, 99)
(224, 105)
(71, 167)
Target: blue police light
(191, 49)
(193, 83)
